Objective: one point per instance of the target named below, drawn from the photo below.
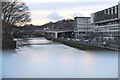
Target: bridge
(56, 33)
(50, 33)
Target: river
(41, 58)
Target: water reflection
(55, 60)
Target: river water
(41, 58)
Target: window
(106, 11)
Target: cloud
(39, 21)
(77, 15)
(41, 1)
(55, 16)
(44, 10)
(37, 16)
(67, 5)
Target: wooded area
(14, 14)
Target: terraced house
(107, 26)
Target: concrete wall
(119, 10)
(92, 18)
(106, 14)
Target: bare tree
(15, 12)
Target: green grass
(79, 45)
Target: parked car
(86, 41)
(77, 40)
(68, 38)
(105, 43)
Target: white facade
(107, 30)
(119, 10)
(82, 26)
(92, 18)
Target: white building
(107, 26)
(83, 28)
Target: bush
(7, 39)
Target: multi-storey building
(83, 28)
(107, 26)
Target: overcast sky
(44, 11)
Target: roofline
(107, 8)
(81, 17)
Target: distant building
(107, 26)
(83, 28)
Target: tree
(15, 13)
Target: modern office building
(107, 26)
(83, 28)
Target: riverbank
(78, 45)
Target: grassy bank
(79, 45)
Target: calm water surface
(40, 58)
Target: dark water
(40, 58)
